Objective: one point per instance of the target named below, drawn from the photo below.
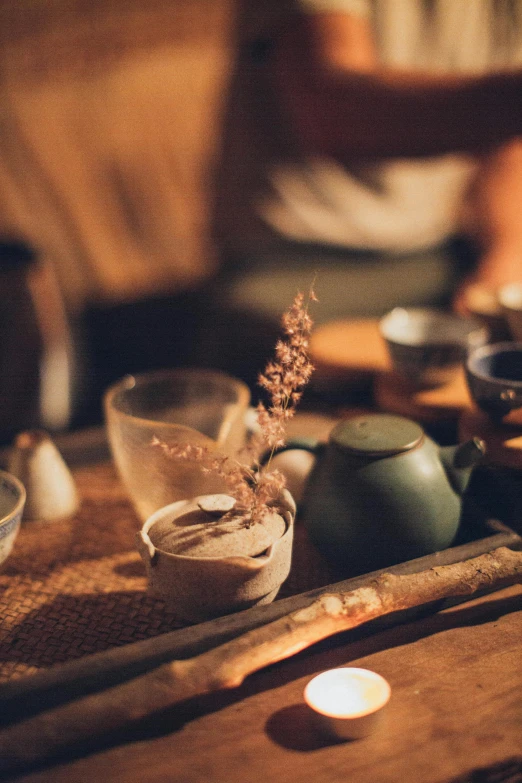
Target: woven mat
(78, 586)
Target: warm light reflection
(347, 693)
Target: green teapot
(382, 492)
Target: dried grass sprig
(253, 485)
(285, 378)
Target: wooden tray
(75, 593)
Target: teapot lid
(377, 434)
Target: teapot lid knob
(377, 434)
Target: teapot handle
(302, 443)
(296, 471)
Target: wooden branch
(66, 727)
(21, 697)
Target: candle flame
(347, 692)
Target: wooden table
(456, 675)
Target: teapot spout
(459, 461)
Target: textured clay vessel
(206, 562)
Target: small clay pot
(208, 563)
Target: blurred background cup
(427, 347)
(483, 305)
(494, 377)
(179, 407)
(510, 299)
(12, 501)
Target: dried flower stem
(283, 379)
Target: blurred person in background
(360, 140)
(378, 143)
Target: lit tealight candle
(347, 702)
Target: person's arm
(344, 104)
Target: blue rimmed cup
(494, 377)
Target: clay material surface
(205, 567)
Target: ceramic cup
(205, 566)
(483, 305)
(178, 407)
(12, 501)
(494, 377)
(510, 299)
(427, 346)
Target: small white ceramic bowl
(12, 501)
(427, 346)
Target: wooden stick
(22, 697)
(66, 727)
